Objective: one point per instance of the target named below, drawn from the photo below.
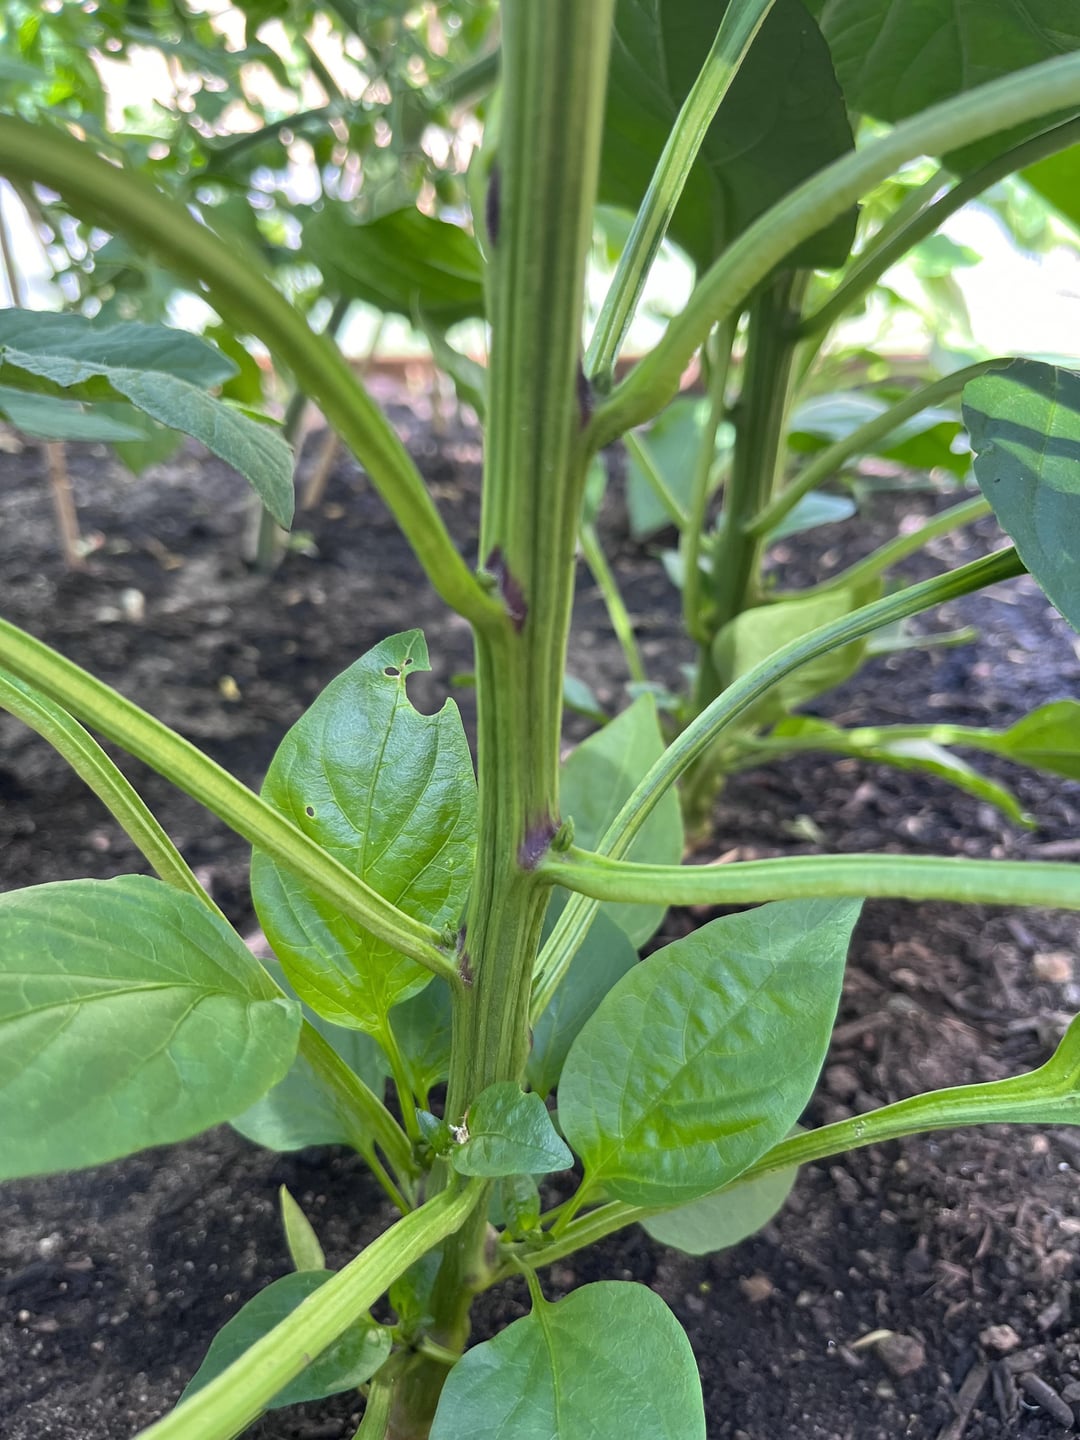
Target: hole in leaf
(309, 809)
(392, 670)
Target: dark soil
(112, 1281)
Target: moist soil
(920, 1289)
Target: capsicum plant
(435, 925)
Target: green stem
(573, 924)
(376, 1417)
(242, 1391)
(802, 877)
(200, 777)
(741, 22)
(920, 220)
(1015, 99)
(693, 531)
(618, 614)
(90, 763)
(876, 737)
(231, 276)
(863, 440)
(895, 550)
(642, 457)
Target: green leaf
(298, 1112)
(304, 1249)
(604, 957)
(782, 120)
(610, 1362)
(72, 365)
(704, 1055)
(348, 1362)
(598, 777)
(1057, 179)
(47, 418)
(716, 1222)
(422, 1027)
(509, 1133)
(515, 1205)
(128, 345)
(895, 57)
(130, 1015)
(401, 263)
(814, 509)
(921, 755)
(1024, 422)
(390, 793)
(1047, 739)
(756, 634)
(672, 443)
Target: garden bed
(962, 1245)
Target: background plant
(426, 923)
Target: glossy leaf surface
(704, 1055)
(510, 1133)
(1024, 422)
(782, 120)
(610, 1362)
(130, 1015)
(349, 1361)
(598, 777)
(390, 793)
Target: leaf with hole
(130, 1015)
(705, 1054)
(390, 793)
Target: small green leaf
(410, 1294)
(515, 1204)
(1024, 422)
(610, 1362)
(756, 634)
(509, 1133)
(598, 777)
(129, 345)
(47, 418)
(604, 957)
(351, 1360)
(304, 1249)
(130, 1015)
(704, 1055)
(672, 443)
(814, 509)
(388, 791)
(1047, 739)
(716, 1222)
(298, 1112)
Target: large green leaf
(895, 57)
(782, 120)
(47, 418)
(130, 1015)
(703, 1056)
(756, 634)
(598, 777)
(116, 363)
(509, 1133)
(298, 1111)
(390, 793)
(716, 1222)
(348, 1362)
(1057, 179)
(1024, 422)
(604, 957)
(610, 1362)
(403, 262)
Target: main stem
(543, 185)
